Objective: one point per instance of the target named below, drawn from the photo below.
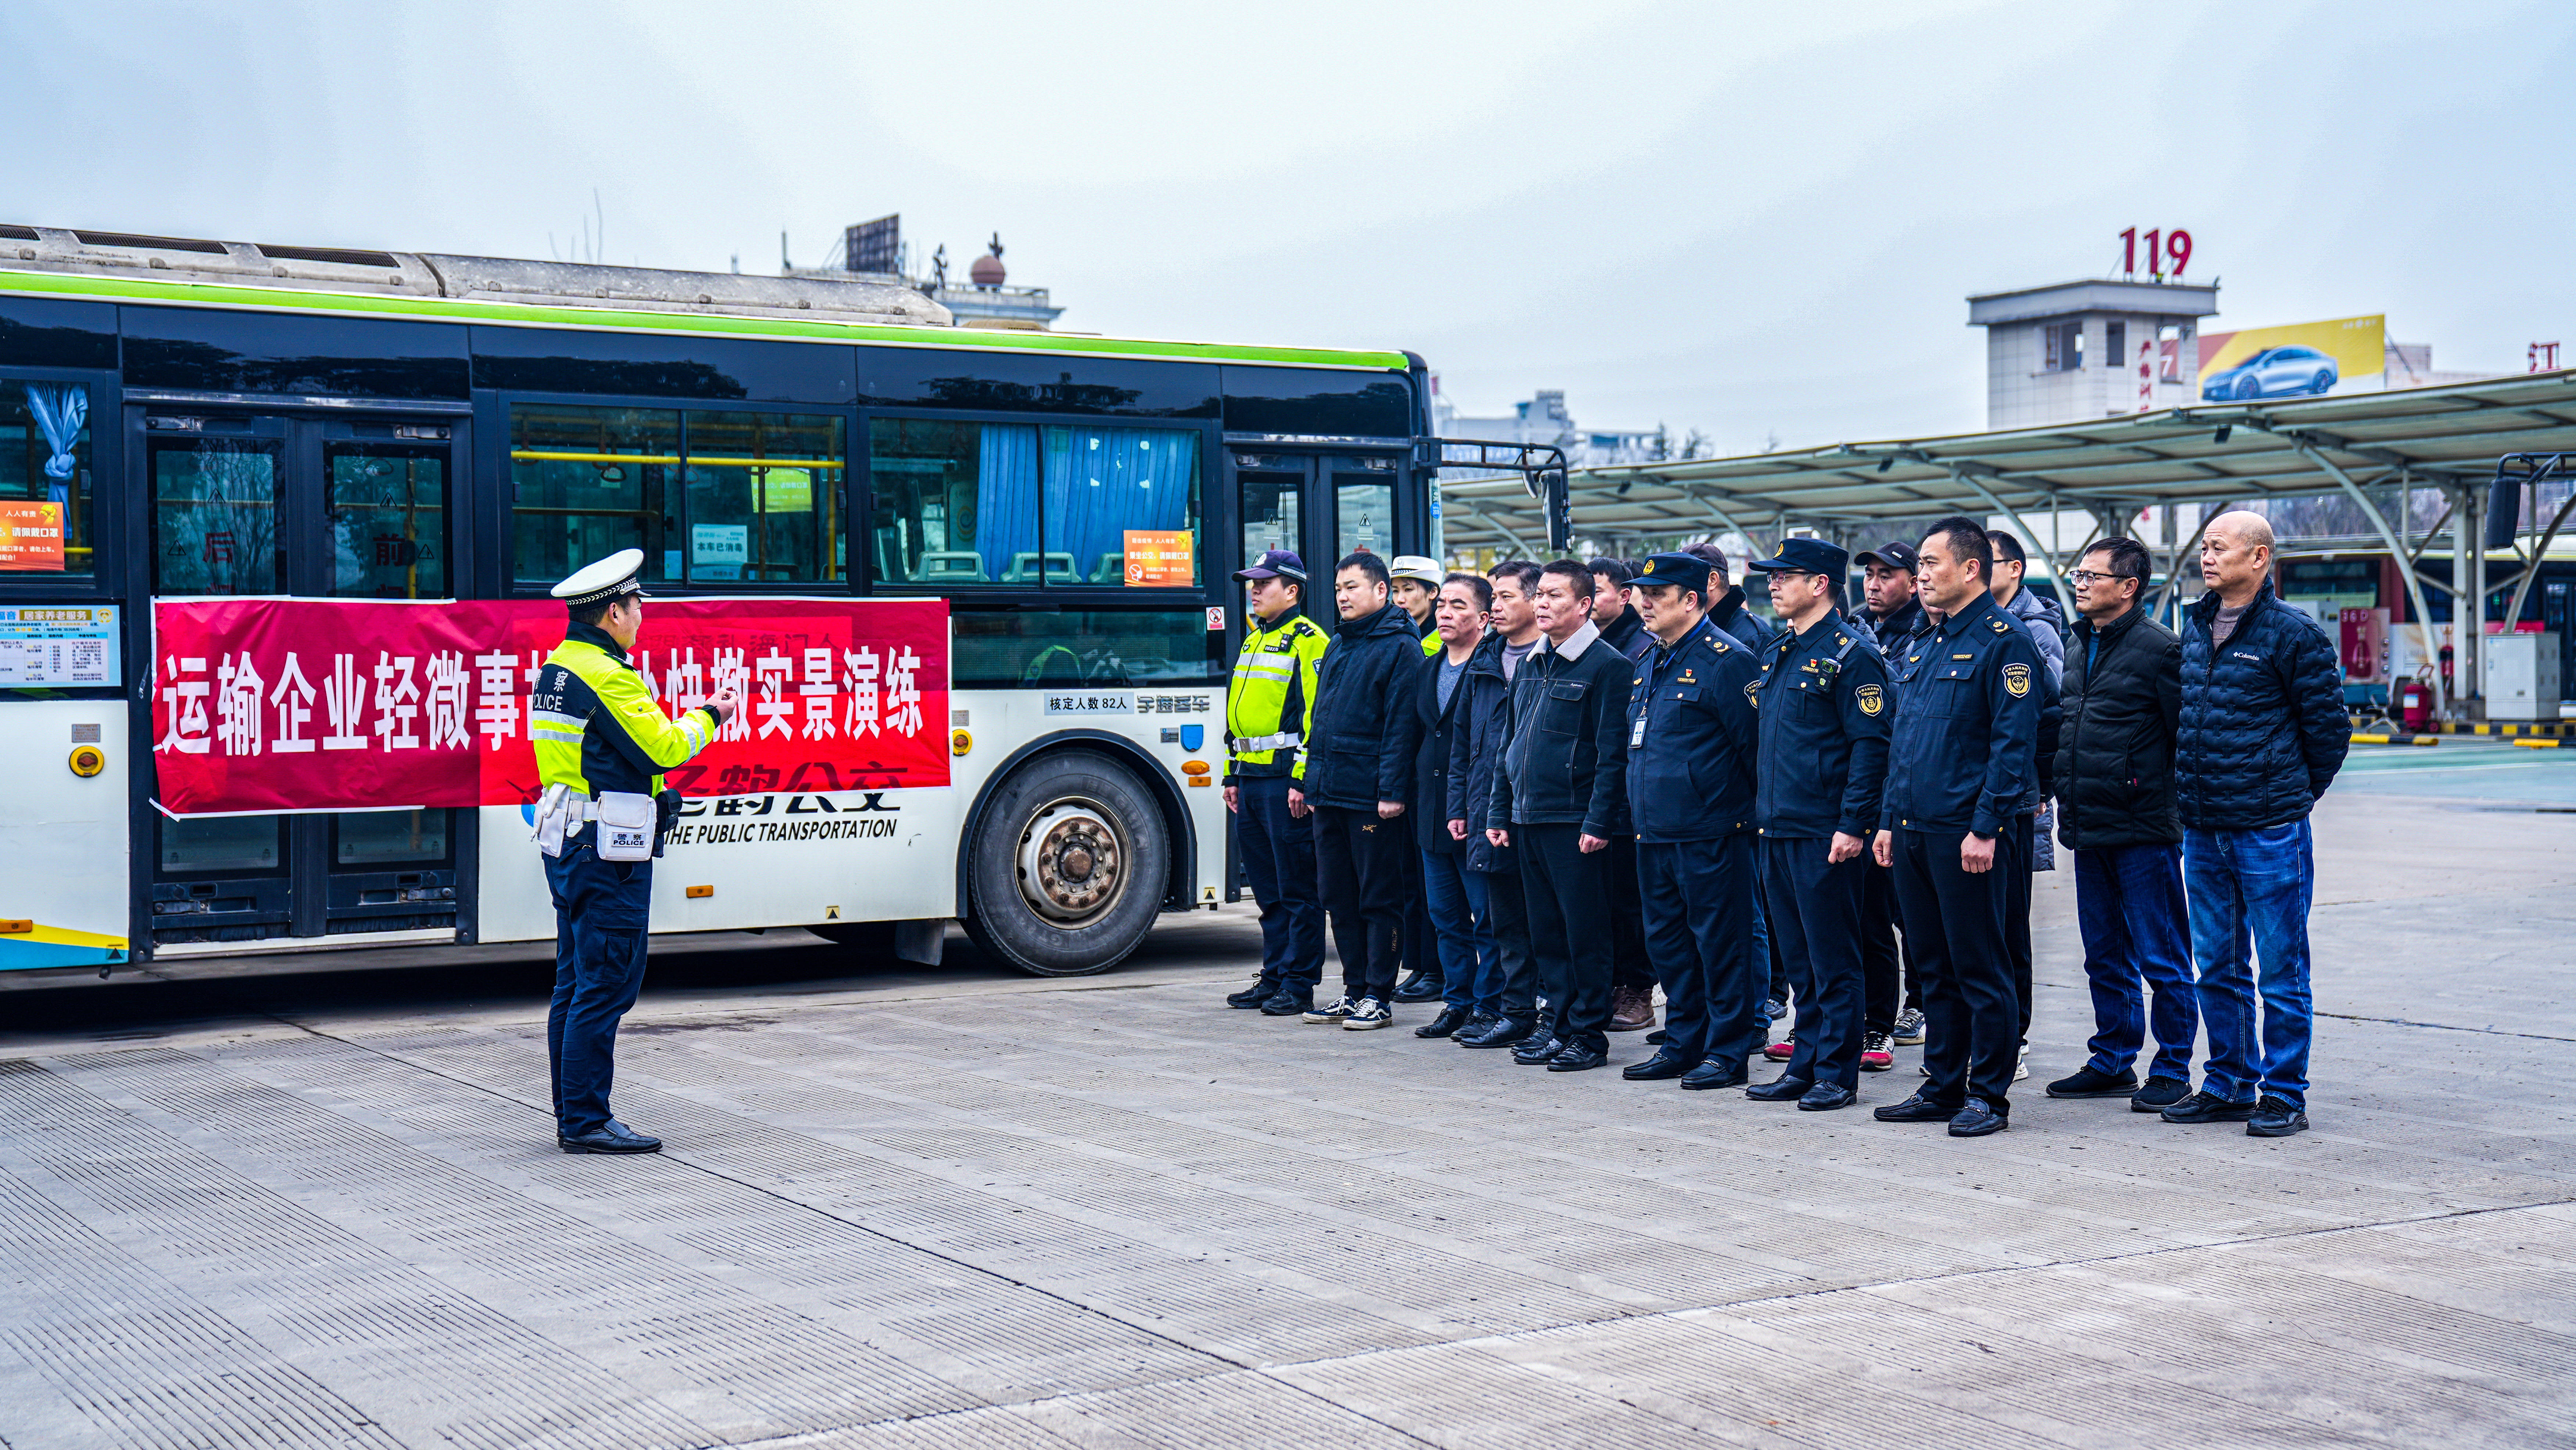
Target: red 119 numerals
(2161, 245)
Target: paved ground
(956, 1208)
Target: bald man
(2262, 734)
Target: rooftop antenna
(599, 246)
(784, 266)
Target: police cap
(605, 580)
(1805, 556)
(1682, 571)
(1276, 564)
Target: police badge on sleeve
(2017, 680)
(1870, 698)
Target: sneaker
(1252, 996)
(2021, 1064)
(1369, 1014)
(1775, 1008)
(2200, 1107)
(2159, 1094)
(1782, 1050)
(2275, 1118)
(1909, 1027)
(1877, 1052)
(1332, 1012)
(2088, 1082)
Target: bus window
(388, 512)
(1122, 507)
(372, 838)
(46, 513)
(1364, 514)
(587, 482)
(1272, 514)
(1126, 648)
(220, 843)
(956, 503)
(214, 510)
(763, 497)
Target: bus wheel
(1068, 867)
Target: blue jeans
(1463, 928)
(2129, 905)
(2253, 887)
(600, 910)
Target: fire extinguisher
(2415, 706)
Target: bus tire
(1068, 866)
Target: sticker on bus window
(58, 644)
(31, 537)
(1159, 557)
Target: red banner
(364, 704)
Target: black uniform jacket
(1826, 708)
(1567, 759)
(1355, 755)
(1430, 734)
(1968, 701)
(1691, 740)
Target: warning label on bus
(337, 705)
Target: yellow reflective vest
(596, 726)
(1270, 701)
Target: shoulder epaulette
(2000, 626)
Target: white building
(2078, 351)
(1545, 419)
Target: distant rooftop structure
(875, 251)
(1544, 418)
(2076, 351)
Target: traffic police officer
(601, 745)
(1269, 707)
(1968, 701)
(1690, 794)
(1825, 711)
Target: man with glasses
(2115, 797)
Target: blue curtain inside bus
(1006, 498)
(61, 409)
(1102, 482)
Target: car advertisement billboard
(2302, 359)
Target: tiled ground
(959, 1209)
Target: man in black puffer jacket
(1359, 776)
(2262, 734)
(2115, 802)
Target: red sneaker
(1877, 1053)
(1782, 1050)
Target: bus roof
(504, 292)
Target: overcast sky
(1755, 220)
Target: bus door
(331, 506)
(1324, 506)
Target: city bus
(198, 420)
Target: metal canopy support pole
(2396, 549)
(1515, 540)
(2173, 565)
(2470, 554)
(1962, 475)
(2522, 591)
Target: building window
(710, 497)
(966, 504)
(2115, 345)
(2063, 344)
(46, 521)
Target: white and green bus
(184, 418)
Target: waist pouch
(626, 826)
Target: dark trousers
(1463, 924)
(1815, 926)
(1954, 932)
(2015, 844)
(2129, 905)
(1511, 988)
(1631, 963)
(1568, 895)
(1360, 863)
(1882, 957)
(1422, 949)
(600, 912)
(1279, 856)
(1698, 903)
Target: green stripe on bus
(514, 314)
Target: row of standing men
(1587, 779)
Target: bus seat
(955, 566)
(1112, 570)
(1025, 565)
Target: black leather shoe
(1916, 1109)
(2200, 1107)
(1656, 1038)
(2159, 1094)
(1449, 1020)
(1581, 1057)
(1978, 1119)
(2275, 1118)
(1535, 1049)
(1285, 1003)
(610, 1137)
(1716, 1073)
(1505, 1032)
(1420, 987)
(1779, 1089)
(1252, 996)
(2087, 1082)
(1824, 1097)
(1476, 1022)
(1656, 1068)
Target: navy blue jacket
(1732, 614)
(2263, 729)
(1690, 766)
(1430, 739)
(1355, 754)
(1566, 761)
(1968, 701)
(1826, 708)
(1483, 715)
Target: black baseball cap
(1276, 564)
(1895, 554)
(1806, 556)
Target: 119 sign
(2162, 246)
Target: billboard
(2298, 360)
